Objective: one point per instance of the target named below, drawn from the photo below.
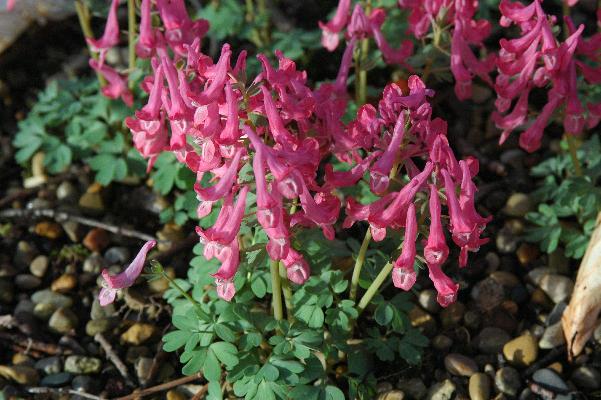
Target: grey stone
(414, 387)
(94, 264)
(460, 365)
(49, 365)
(56, 380)
(24, 254)
(507, 380)
(491, 340)
(442, 342)
(24, 306)
(43, 311)
(84, 383)
(556, 313)
(142, 367)
(552, 337)
(66, 191)
(101, 325)
(441, 391)
(557, 287)
(47, 296)
(63, 320)
(518, 205)
(587, 377)
(488, 293)
(82, 365)
(117, 255)
(506, 241)
(39, 266)
(27, 281)
(100, 312)
(6, 292)
(427, 299)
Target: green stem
(359, 265)
(361, 74)
(374, 287)
(131, 36)
(196, 304)
(573, 154)
(276, 288)
(83, 15)
(287, 290)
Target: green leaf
(384, 314)
(212, 368)
(174, 340)
(227, 353)
(195, 363)
(225, 333)
(333, 393)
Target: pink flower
(380, 171)
(179, 28)
(225, 289)
(391, 56)
(125, 279)
(403, 274)
(116, 86)
(146, 41)
(225, 184)
(297, 268)
(330, 31)
(359, 26)
(10, 4)
(110, 37)
(436, 250)
(446, 288)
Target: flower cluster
(360, 26)
(538, 59)
(465, 32)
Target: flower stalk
(276, 288)
(287, 291)
(131, 36)
(359, 265)
(573, 154)
(374, 287)
(83, 15)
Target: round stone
(518, 205)
(479, 387)
(63, 321)
(27, 281)
(57, 380)
(587, 377)
(49, 365)
(460, 365)
(39, 266)
(82, 365)
(507, 380)
(441, 391)
(521, 351)
(491, 340)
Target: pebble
(556, 313)
(49, 365)
(441, 391)
(95, 326)
(96, 240)
(551, 381)
(117, 255)
(22, 359)
(48, 229)
(587, 377)
(423, 321)
(94, 264)
(39, 266)
(491, 340)
(518, 205)
(83, 383)
(492, 261)
(92, 200)
(82, 365)
(392, 395)
(552, 337)
(73, 230)
(63, 320)
(505, 278)
(506, 241)
(557, 287)
(6, 292)
(142, 366)
(162, 284)
(175, 395)
(138, 333)
(535, 275)
(472, 319)
(442, 342)
(413, 387)
(488, 294)
(47, 296)
(27, 281)
(24, 254)
(66, 191)
(64, 283)
(427, 299)
(24, 306)
(507, 380)
(460, 365)
(521, 351)
(527, 253)
(452, 315)
(100, 312)
(56, 380)
(20, 374)
(479, 386)
(169, 234)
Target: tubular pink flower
(348, 178)
(225, 289)
(446, 288)
(146, 41)
(231, 133)
(276, 126)
(10, 4)
(176, 107)
(436, 250)
(297, 268)
(345, 66)
(126, 278)
(215, 88)
(330, 31)
(110, 37)
(225, 183)
(230, 261)
(380, 171)
(117, 83)
(359, 26)
(151, 111)
(403, 273)
(391, 56)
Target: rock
(27, 281)
(442, 342)
(491, 340)
(488, 294)
(24, 306)
(142, 366)
(117, 255)
(552, 337)
(460, 365)
(73, 230)
(507, 380)
(535, 275)
(49, 297)
(92, 199)
(452, 315)
(48, 229)
(43, 311)
(587, 377)
(95, 326)
(6, 292)
(413, 387)
(37, 164)
(556, 313)
(99, 312)
(557, 287)
(169, 234)
(527, 253)
(421, 320)
(57, 380)
(506, 241)
(175, 395)
(64, 283)
(492, 261)
(518, 205)
(505, 278)
(49, 365)
(63, 320)
(22, 359)
(94, 264)
(472, 319)
(39, 266)
(427, 299)
(479, 387)
(96, 240)
(83, 383)
(66, 191)
(383, 387)
(20, 374)
(24, 254)
(521, 351)
(551, 380)
(441, 391)
(392, 395)
(82, 365)
(138, 333)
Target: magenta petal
(128, 277)
(106, 296)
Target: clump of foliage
(568, 202)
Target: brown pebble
(64, 283)
(138, 333)
(539, 297)
(527, 253)
(48, 229)
(556, 366)
(96, 240)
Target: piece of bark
(580, 316)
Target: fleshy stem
(359, 265)
(131, 37)
(177, 287)
(276, 288)
(573, 154)
(374, 287)
(361, 88)
(287, 290)
(83, 15)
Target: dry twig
(29, 343)
(47, 390)
(161, 387)
(110, 353)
